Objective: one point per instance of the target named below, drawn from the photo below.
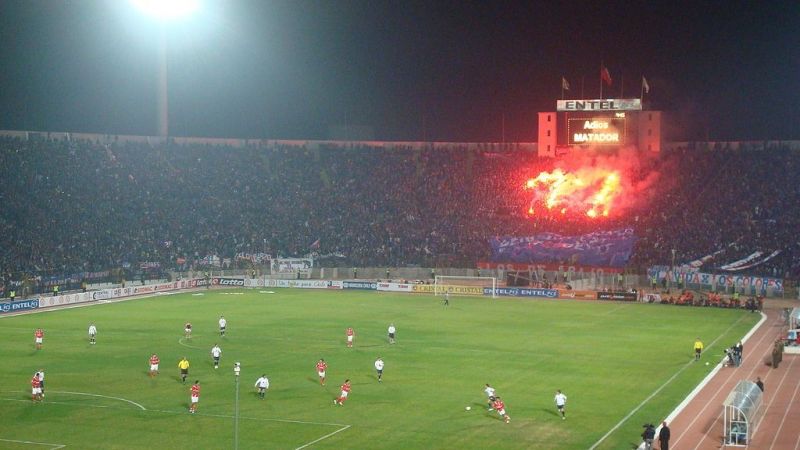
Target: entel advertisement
(20, 305)
(522, 292)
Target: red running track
(699, 425)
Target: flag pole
(583, 78)
(601, 79)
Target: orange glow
(587, 191)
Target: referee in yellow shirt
(698, 349)
(184, 366)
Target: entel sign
(611, 104)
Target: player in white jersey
(561, 402)
(216, 352)
(222, 325)
(92, 333)
(379, 368)
(490, 395)
(262, 384)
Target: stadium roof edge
(307, 143)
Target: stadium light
(167, 9)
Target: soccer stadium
(607, 280)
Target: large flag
(605, 75)
(601, 248)
(645, 86)
(564, 84)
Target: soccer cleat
(563, 418)
(334, 401)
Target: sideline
(704, 384)
(666, 383)
(54, 446)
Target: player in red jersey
(343, 396)
(350, 335)
(195, 396)
(501, 409)
(321, 366)
(154, 365)
(36, 388)
(38, 338)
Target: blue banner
(371, 285)
(602, 248)
(19, 305)
(522, 292)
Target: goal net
(455, 285)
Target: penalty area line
(54, 446)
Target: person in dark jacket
(663, 436)
(648, 435)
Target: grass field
(608, 358)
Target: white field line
(788, 407)
(180, 341)
(659, 389)
(732, 374)
(341, 426)
(323, 437)
(54, 446)
(102, 396)
(705, 383)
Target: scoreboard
(597, 130)
(607, 124)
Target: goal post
(461, 285)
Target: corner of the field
(679, 409)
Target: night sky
(410, 70)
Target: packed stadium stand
(73, 205)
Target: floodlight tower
(165, 11)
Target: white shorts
(153, 367)
(502, 412)
(35, 391)
(195, 399)
(38, 340)
(349, 338)
(187, 330)
(344, 394)
(92, 334)
(321, 374)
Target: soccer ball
(468, 408)
(706, 363)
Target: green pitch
(608, 358)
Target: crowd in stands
(77, 206)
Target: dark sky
(441, 70)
